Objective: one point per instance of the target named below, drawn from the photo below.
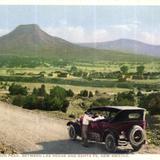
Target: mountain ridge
(31, 40)
(126, 45)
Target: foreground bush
(30, 102)
(151, 102)
(18, 100)
(46, 103)
(58, 92)
(125, 99)
(55, 101)
(70, 93)
(83, 93)
(39, 91)
(16, 89)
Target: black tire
(72, 132)
(137, 137)
(110, 143)
(137, 148)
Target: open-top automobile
(120, 126)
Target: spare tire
(137, 137)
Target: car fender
(76, 126)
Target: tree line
(57, 99)
(122, 74)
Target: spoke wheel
(110, 143)
(72, 132)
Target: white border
(82, 156)
(80, 2)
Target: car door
(94, 130)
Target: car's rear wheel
(110, 143)
(137, 137)
(72, 132)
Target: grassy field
(110, 86)
(148, 81)
(111, 67)
(98, 67)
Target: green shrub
(124, 69)
(40, 104)
(73, 69)
(30, 102)
(140, 71)
(70, 93)
(39, 91)
(35, 91)
(83, 93)
(90, 94)
(125, 99)
(18, 100)
(65, 105)
(39, 99)
(151, 102)
(58, 92)
(56, 103)
(15, 89)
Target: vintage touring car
(121, 125)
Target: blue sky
(87, 23)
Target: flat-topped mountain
(31, 40)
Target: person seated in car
(98, 116)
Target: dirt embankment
(25, 131)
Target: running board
(122, 143)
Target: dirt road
(31, 132)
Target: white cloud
(80, 34)
(3, 32)
(70, 33)
(121, 27)
(151, 38)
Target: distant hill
(128, 46)
(30, 40)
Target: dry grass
(6, 149)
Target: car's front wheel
(72, 132)
(110, 143)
